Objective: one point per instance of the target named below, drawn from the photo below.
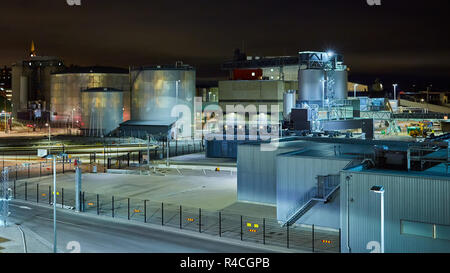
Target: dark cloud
(398, 37)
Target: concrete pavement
(105, 235)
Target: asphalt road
(98, 235)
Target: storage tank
(311, 85)
(289, 102)
(102, 110)
(341, 84)
(66, 90)
(156, 90)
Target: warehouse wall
(407, 197)
(256, 172)
(297, 176)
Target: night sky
(401, 40)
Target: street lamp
(395, 90)
(380, 190)
(54, 157)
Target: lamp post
(380, 190)
(54, 158)
(395, 90)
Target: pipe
(348, 215)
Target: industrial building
(31, 93)
(71, 85)
(155, 91)
(5, 82)
(102, 110)
(326, 182)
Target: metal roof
(93, 69)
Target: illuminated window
(434, 231)
(417, 229)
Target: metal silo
(66, 89)
(102, 110)
(341, 80)
(311, 86)
(289, 102)
(156, 90)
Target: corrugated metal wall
(297, 176)
(412, 198)
(256, 172)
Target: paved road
(98, 235)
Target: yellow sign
(190, 219)
(90, 204)
(137, 210)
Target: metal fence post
(181, 212)
(200, 220)
(112, 206)
(313, 238)
(40, 169)
(16, 169)
(220, 224)
(287, 234)
(49, 195)
(98, 205)
(37, 193)
(162, 214)
(128, 208)
(264, 231)
(145, 211)
(26, 191)
(62, 198)
(28, 170)
(84, 203)
(242, 233)
(339, 244)
(14, 189)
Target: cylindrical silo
(156, 90)
(289, 102)
(66, 89)
(311, 86)
(102, 110)
(341, 88)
